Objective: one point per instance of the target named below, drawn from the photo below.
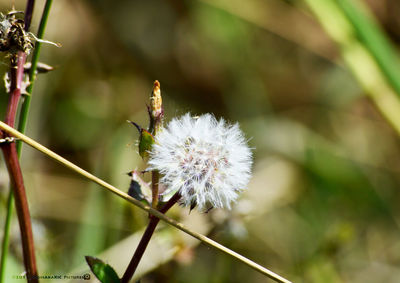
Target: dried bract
(24, 84)
(13, 37)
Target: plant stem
(21, 203)
(155, 177)
(28, 14)
(17, 73)
(360, 61)
(15, 173)
(23, 121)
(6, 236)
(32, 73)
(11, 153)
(137, 256)
(139, 204)
(156, 115)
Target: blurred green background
(322, 205)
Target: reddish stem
(12, 162)
(17, 73)
(15, 173)
(28, 14)
(137, 256)
(21, 203)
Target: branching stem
(15, 173)
(12, 151)
(137, 256)
(21, 203)
(142, 206)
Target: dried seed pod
(13, 37)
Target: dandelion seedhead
(207, 160)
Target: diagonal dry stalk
(139, 204)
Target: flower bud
(156, 110)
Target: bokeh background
(323, 203)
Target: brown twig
(137, 256)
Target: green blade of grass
(32, 74)
(374, 39)
(358, 59)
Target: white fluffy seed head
(207, 160)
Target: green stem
(374, 39)
(21, 127)
(32, 73)
(359, 59)
(6, 238)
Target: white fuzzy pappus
(207, 160)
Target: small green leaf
(104, 272)
(145, 143)
(146, 140)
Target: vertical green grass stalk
(21, 127)
(6, 236)
(32, 74)
(374, 39)
(364, 60)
